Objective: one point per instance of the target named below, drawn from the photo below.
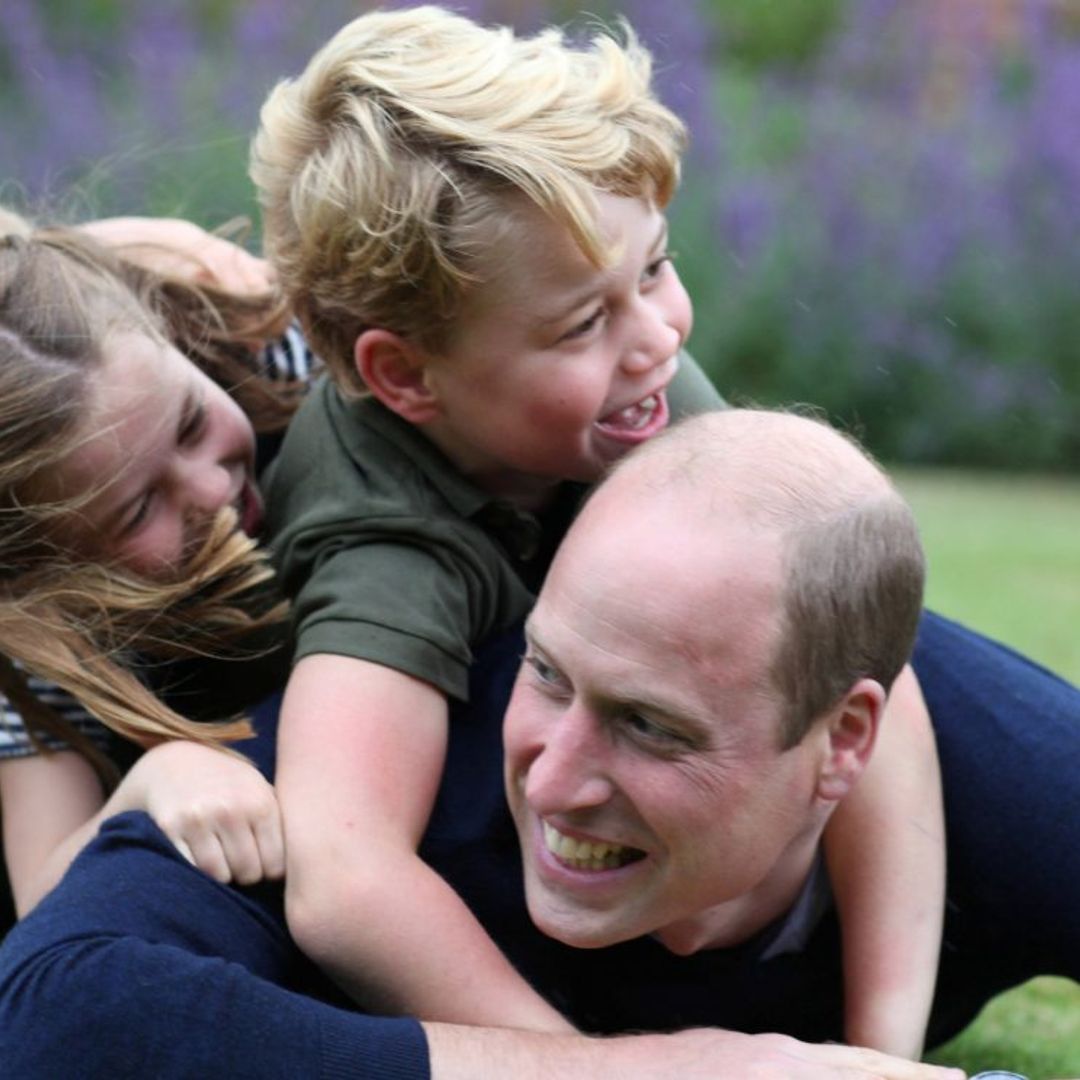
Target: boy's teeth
(585, 854)
(636, 415)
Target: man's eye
(543, 671)
(651, 731)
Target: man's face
(642, 741)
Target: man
(704, 676)
(146, 966)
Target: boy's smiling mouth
(638, 421)
(642, 419)
(634, 416)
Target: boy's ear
(852, 728)
(393, 370)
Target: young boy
(470, 226)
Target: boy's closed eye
(583, 328)
(656, 267)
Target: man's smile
(587, 854)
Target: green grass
(1004, 555)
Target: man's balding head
(853, 567)
(705, 673)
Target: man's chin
(577, 927)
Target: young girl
(88, 609)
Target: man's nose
(568, 771)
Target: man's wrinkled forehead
(650, 570)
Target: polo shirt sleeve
(413, 596)
(380, 553)
(691, 391)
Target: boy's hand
(217, 809)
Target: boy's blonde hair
(380, 169)
(65, 618)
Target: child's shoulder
(347, 462)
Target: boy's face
(557, 368)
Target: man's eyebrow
(529, 631)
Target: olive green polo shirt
(390, 555)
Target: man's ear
(393, 369)
(852, 728)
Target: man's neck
(734, 921)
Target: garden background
(879, 215)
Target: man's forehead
(663, 601)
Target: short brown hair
(854, 568)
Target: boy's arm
(360, 755)
(885, 846)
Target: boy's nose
(654, 341)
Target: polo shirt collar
(517, 529)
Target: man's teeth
(585, 854)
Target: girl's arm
(175, 246)
(215, 807)
(44, 798)
(885, 846)
(360, 754)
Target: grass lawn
(1004, 554)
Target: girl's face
(163, 449)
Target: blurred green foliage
(879, 211)
(766, 33)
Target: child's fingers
(270, 838)
(231, 267)
(208, 854)
(242, 852)
(180, 844)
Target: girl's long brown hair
(67, 619)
